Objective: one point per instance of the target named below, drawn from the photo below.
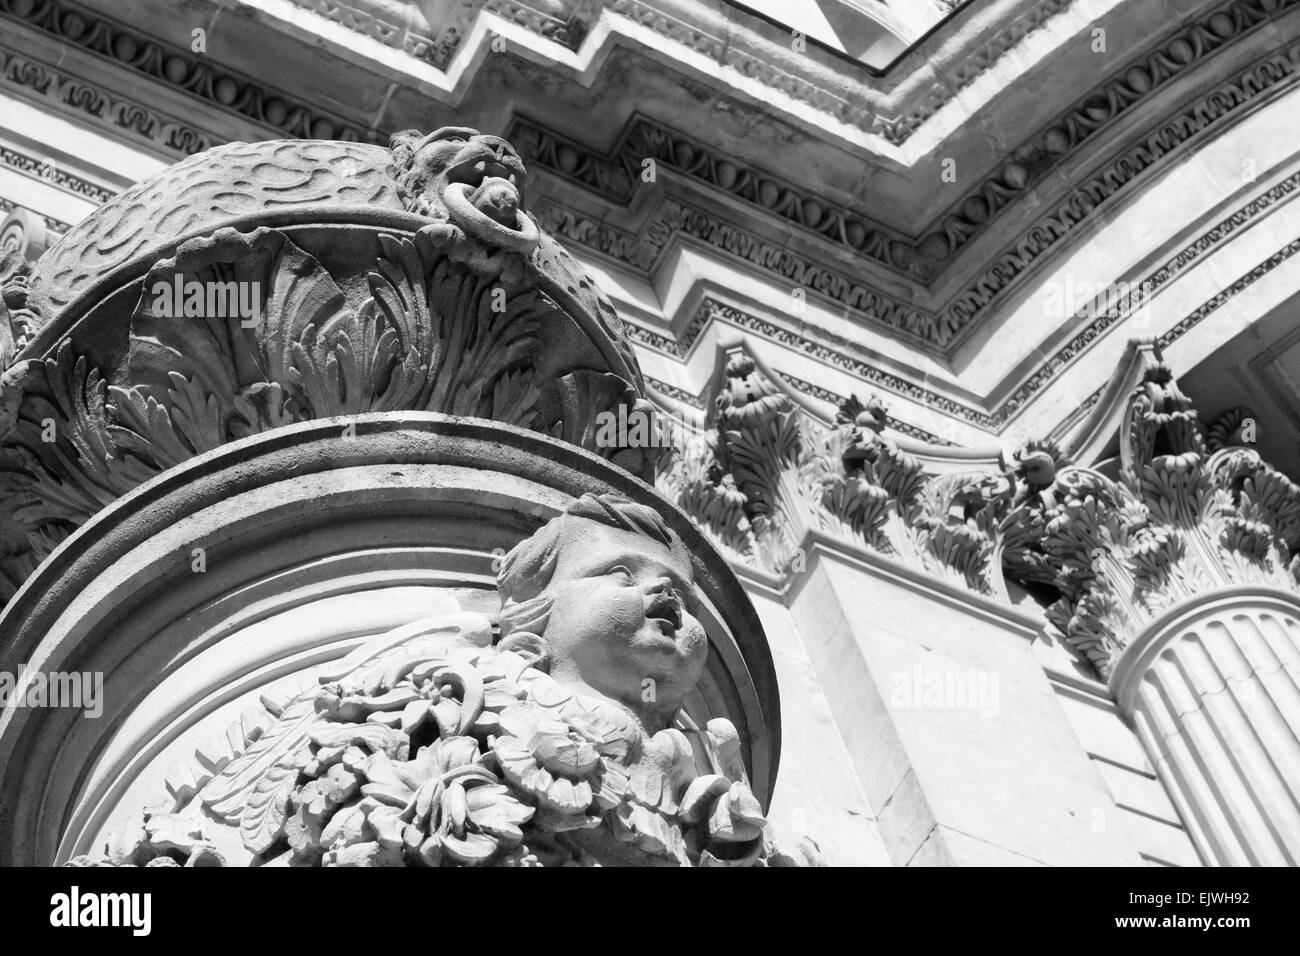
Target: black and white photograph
(811, 434)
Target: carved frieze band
(863, 367)
(51, 173)
(168, 65)
(1167, 271)
(126, 115)
(617, 178)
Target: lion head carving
(472, 182)
(424, 165)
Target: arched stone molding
(410, 510)
(1193, 283)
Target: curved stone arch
(120, 595)
(1197, 264)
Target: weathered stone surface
(560, 741)
(312, 538)
(259, 285)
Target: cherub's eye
(623, 575)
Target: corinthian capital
(767, 471)
(1180, 518)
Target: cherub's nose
(661, 586)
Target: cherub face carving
(620, 621)
(616, 605)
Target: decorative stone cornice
(122, 114)
(923, 259)
(974, 62)
(171, 66)
(708, 29)
(1188, 255)
(860, 366)
(1183, 516)
(1105, 316)
(675, 393)
(1119, 174)
(406, 29)
(841, 355)
(616, 176)
(51, 173)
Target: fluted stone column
(1213, 690)
(1180, 583)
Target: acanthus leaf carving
(768, 462)
(1176, 522)
(692, 476)
(61, 463)
(433, 334)
(243, 330)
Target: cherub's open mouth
(667, 609)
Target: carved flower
(566, 757)
(547, 759)
(477, 819)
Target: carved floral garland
(509, 769)
(764, 474)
